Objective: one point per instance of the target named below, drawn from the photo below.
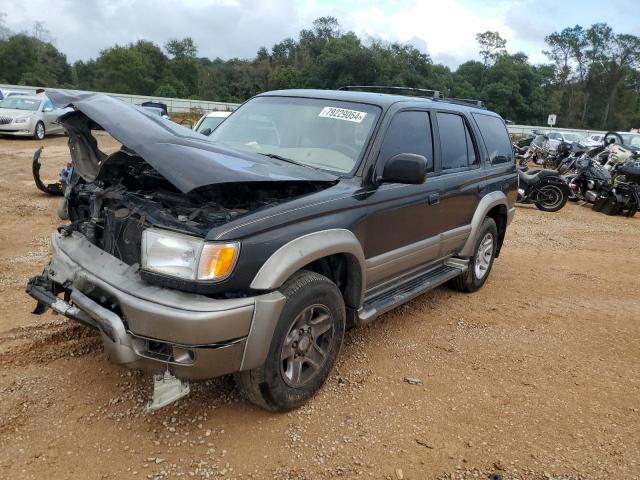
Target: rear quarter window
(496, 138)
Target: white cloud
(446, 26)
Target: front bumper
(147, 327)
(20, 129)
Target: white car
(12, 93)
(594, 140)
(29, 116)
(555, 138)
(210, 121)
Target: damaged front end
(164, 182)
(164, 177)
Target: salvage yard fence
(180, 105)
(174, 105)
(526, 129)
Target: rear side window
(456, 145)
(495, 138)
(409, 132)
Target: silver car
(29, 116)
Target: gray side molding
(489, 201)
(301, 251)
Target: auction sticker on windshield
(342, 114)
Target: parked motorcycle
(544, 188)
(624, 197)
(590, 181)
(555, 158)
(569, 164)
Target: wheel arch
(335, 253)
(492, 205)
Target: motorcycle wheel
(633, 208)
(551, 198)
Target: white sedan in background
(556, 138)
(29, 116)
(210, 121)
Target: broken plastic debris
(166, 389)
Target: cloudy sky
(237, 28)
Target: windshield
(17, 103)
(325, 134)
(631, 140)
(210, 122)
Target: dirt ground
(535, 376)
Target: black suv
(304, 213)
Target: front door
(50, 117)
(404, 221)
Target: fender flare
(303, 250)
(487, 202)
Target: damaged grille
(5, 120)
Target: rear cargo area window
(495, 136)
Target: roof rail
(421, 92)
(424, 92)
(465, 101)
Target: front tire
(39, 132)
(482, 261)
(304, 347)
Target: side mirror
(206, 132)
(406, 168)
(48, 109)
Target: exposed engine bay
(129, 195)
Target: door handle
(434, 198)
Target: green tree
(26, 60)
(185, 48)
(135, 68)
(491, 45)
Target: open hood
(185, 158)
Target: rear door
(462, 177)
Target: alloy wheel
(483, 256)
(306, 346)
(40, 131)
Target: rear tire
(304, 347)
(484, 253)
(555, 197)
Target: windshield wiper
(285, 159)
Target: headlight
(21, 120)
(187, 257)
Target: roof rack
(434, 94)
(418, 92)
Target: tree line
(592, 79)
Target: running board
(389, 299)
